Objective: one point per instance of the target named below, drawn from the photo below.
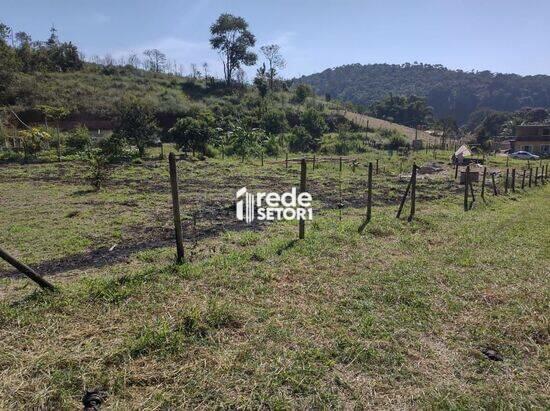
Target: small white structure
(463, 151)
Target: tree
(33, 140)
(274, 122)
(156, 60)
(9, 63)
(275, 61)
(56, 114)
(232, 39)
(302, 92)
(136, 123)
(205, 69)
(302, 140)
(78, 139)
(260, 81)
(193, 133)
(97, 160)
(133, 60)
(314, 122)
(247, 142)
(195, 72)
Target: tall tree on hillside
(155, 60)
(133, 60)
(260, 81)
(205, 69)
(232, 39)
(275, 61)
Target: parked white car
(524, 155)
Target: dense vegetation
(451, 93)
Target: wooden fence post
(302, 222)
(25, 269)
(262, 159)
(413, 194)
(483, 183)
(456, 171)
(495, 192)
(506, 181)
(530, 176)
(466, 187)
(376, 166)
(513, 180)
(340, 166)
(369, 199)
(313, 162)
(523, 179)
(536, 175)
(176, 207)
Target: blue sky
(508, 36)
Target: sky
(507, 36)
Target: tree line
(450, 93)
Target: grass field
(398, 317)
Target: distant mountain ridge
(453, 93)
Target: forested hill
(452, 93)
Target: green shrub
(397, 141)
(78, 139)
(302, 140)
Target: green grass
(394, 318)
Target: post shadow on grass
(287, 246)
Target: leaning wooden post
(530, 176)
(482, 195)
(506, 181)
(286, 161)
(523, 179)
(176, 207)
(313, 162)
(413, 194)
(536, 175)
(402, 203)
(369, 200)
(495, 192)
(456, 171)
(262, 159)
(25, 269)
(466, 187)
(302, 222)
(513, 180)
